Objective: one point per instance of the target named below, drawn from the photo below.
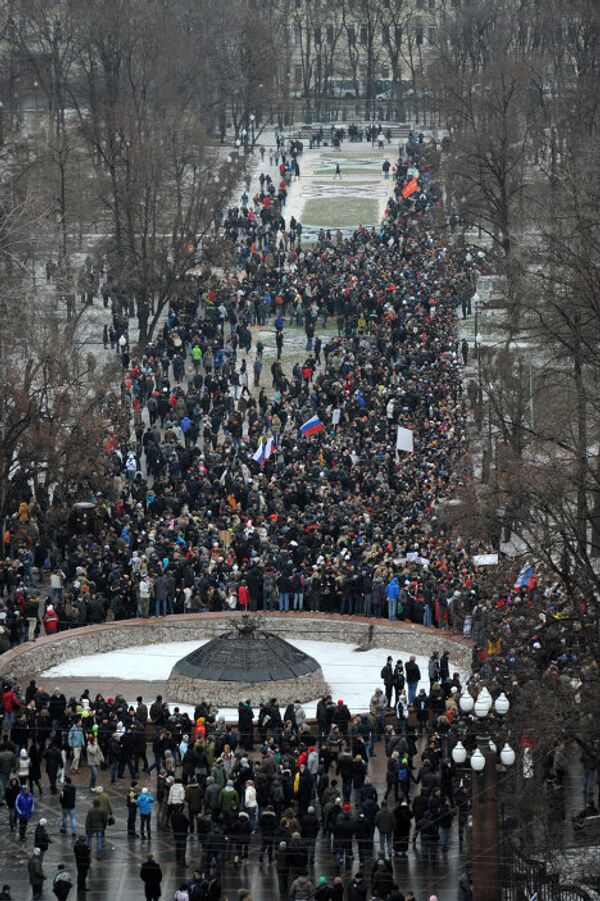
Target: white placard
(485, 559)
(405, 440)
(335, 416)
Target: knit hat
(322, 880)
(43, 822)
(346, 807)
(144, 791)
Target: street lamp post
(252, 122)
(487, 881)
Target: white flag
(259, 453)
(404, 440)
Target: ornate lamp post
(487, 882)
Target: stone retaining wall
(303, 688)
(32, 658)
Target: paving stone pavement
(116, 876)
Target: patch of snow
(352, 676)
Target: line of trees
(112, 147)
(343, 49)
(133, 95)
(518, 86)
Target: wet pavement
(116, 875)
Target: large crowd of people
(215, 501)
(291, 793)
(339, 521)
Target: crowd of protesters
(338, 522)
(196, 518)
(269, 786)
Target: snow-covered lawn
(352, 676)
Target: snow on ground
(352, 676)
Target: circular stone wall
(251, 660)
(31, 658)
(188, 690)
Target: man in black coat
(214, 850)
(341, 717)
(82, 853)
(180, 826)
(246, 725)
(413, 674)
(151, 876)
(387, 675)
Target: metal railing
(526, 879)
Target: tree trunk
(581, 447)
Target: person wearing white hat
(35, 871)
(144, 801)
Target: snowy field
(352, 676)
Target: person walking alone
(24, 805)
(36, 875)
(82, 854)
(151, 876)
(62, 883)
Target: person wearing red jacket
(243, 596)
(50, 620)
(10, 705)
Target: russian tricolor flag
(259, 454)
(264, 451)
(311, 426)
(527, 578)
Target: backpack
(402, 773)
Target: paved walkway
(116, 876)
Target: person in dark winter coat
(267, 824)
(241, 831)
(62, 883)
(363, 831)
(82, 853)
(283, 869)
(465, 886)
(413, 675)
(246, 725)
(357, 890)
(151, 876)
(41, 839)
(309, 830)
(214, 849)
(387, 676)
(53, 759)
(180, 826)
(36, 874)
(402, 818)
(382, 878)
